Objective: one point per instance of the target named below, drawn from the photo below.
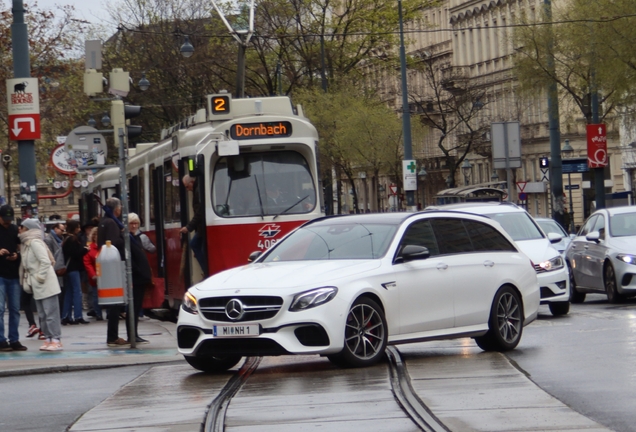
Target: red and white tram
(256, 164)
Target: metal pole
(556, 167)
(240, 72)
(406, 112)
(26, 148)
(323, 73)
(571, 205)
(124, 216)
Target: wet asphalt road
(586, 359)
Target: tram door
(197, 272)
(156, 215)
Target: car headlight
(555, 263)
(189, 303)
(629, 259)
(312, 298)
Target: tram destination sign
(242, 131)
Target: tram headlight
(312, 298)
(189, 303)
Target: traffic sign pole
(26, 147)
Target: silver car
(602, 256)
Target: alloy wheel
(508, 317)
(364, 332)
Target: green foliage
(592, 46)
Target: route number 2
(221, 105)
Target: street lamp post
(567, 151)
(466, 167)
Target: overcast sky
(90, 10)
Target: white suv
(552, 273)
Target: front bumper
(319, 330)
(554, 286)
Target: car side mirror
(412, 253)
(593, 236)
(254, 256)
(554, 237)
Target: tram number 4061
(266, 244)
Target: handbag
(62, 271)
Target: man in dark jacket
(196, 224)
(10, 291)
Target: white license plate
(236, 330)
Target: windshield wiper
(292, 206)
(260, 201)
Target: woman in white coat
(37, 275)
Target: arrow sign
(16, 121)
(24, 127)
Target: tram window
(142, 194)
(266, 183)
(151, 193)
(171, 182)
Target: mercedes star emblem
(234, 309)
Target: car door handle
(442, 266)
(488, 263)
(586, 247)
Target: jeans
(198, 248)
(73, 297)
(96, 307)
(10, 293)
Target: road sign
(521, 186)
(23, 107)
(60, 161)
(596, 146)
(393, 189)
(572, 187)
(506, 145)
(523, 196)
(85, 147)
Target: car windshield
(334, 241)
(550, 226)
(518, 225)
(623, 225)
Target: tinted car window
(420, 233)
(486, 238)
(599, 225)
(451, 236)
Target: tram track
(412, 406)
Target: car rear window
(518, 225)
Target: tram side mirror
(195, 167)
(254, 256)
(237, 169)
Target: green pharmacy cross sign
(409, 169)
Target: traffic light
(544, 163)
(120, 115)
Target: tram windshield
(263, 184)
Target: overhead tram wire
(601, 20)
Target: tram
(255, 162)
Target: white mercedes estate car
(550, 265)
(346, 286)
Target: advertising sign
(85, 147)
(61, 162)
(596, 146)
(23, 106)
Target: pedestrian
(74, 253)
(9, 280)
(88, 300)
(91, 272)
(38, 277)
(133, 226)
(196, 224)
(141, 272)
(53, 240)
(111, 229)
